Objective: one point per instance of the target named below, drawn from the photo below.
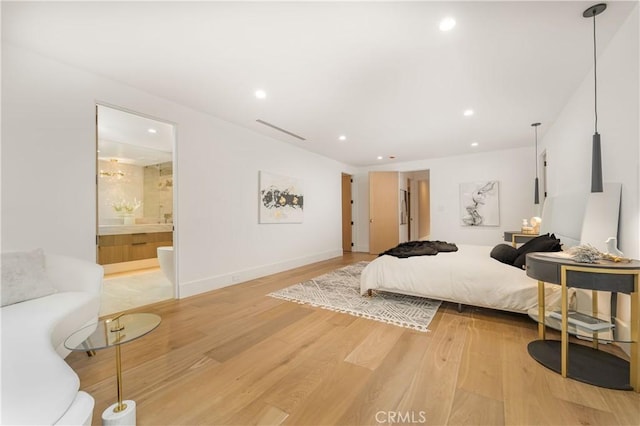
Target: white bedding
(469, 276)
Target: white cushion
(80, 412)
(24, 277)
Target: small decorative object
(126, 209)
(526, 228)
(613, 253)
(612, 247)
(585, 253)
(535, 224)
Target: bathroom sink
(134, 229)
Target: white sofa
(38, 386)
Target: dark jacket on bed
(420, 248)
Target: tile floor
(129, 290)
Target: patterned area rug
(339, 291)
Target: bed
(471, 277)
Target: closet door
(384, 228)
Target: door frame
(176, 287)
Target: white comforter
(469, 276)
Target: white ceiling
(381, 73)
(127, 137)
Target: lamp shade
(536, 192)
(596, 164)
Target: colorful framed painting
(281, 199)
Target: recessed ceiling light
(261, 94)
(152, 131)
(447, 24)
(468, 113)
(342, 137)
(474, 143)
(379, 157)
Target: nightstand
(517, 237)
(580, 362)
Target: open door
(347, 220)
(384, 232)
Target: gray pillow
(24, 277)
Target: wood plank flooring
(238, 357)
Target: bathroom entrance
(135, 209)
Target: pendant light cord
(595, 74)
(536, 129)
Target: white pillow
(24, 277)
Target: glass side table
(114, 332)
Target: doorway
(399, 208)
(347, 214)
(419, 204)
(134, 209)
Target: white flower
(126, 207)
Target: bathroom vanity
(125, 243)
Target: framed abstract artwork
(480, 203)
(281, 199)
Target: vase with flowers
(126, 210)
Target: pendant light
(536, 195)
(596, 154)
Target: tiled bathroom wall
(158, 193)
(122, 186)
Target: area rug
(339, 291)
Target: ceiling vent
(280, 129)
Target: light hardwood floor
(236, 356)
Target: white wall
(568, 140)
(513, 168)
(48, 178)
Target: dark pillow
(533, 244)
(546, 244)
(504, 253)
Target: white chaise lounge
(38, 386)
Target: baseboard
(192, 288)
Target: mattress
(469, 276)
